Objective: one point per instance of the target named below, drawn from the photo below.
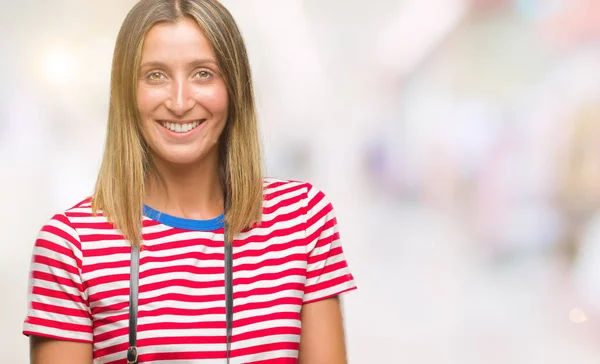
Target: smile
(179, 127)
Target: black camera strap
(132, 352)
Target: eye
(155, 76)
(203, 75)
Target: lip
(178, 121)
(175, 135)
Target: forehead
(181, 41)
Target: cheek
(214, 99)
(148, 100)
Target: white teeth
(180, 128)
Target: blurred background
(459, 141)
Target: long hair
(127, 161)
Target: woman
(143, 271)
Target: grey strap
(132, 353)
(228, 290)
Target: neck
(191, 192)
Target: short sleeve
(327, 272)
(58, 305)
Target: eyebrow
(193, 64)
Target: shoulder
(275, 190)
(64, 225)
(58, 239)
(295, 197)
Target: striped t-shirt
(79, 283)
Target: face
(181, 95)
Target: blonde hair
(127, 161)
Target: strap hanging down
(228, 290)
(132, 352)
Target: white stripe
(265, 325)
(265, 356)
(268, 269)
(329, 291)
(269, 255)
(270, 297)
(41, 283)
(284, 196)
(191, 277)
(323, 263)
(266, 311)
(112, 258)
(270, 283)
(43, 330)
(266, 231)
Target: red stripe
(265, 348)
(268, 290)
(314, 200)
(50, 336)
(284, 201)
(59, 325)
(108, 251)
(174, 232)
(106, 265)
(200, 256)
(86, 201)
(291, 360)
(272, 184)
(61, 233)
(104, 225)
(59, 249)
(183, 298)
(314, 259)
(123, 330)
(183, 283)
(342, 264)
(100, 237)
(270, 276)
(268, 304)
(183, 312)
(99, 353)
(112, 318)
(318, 234)
(52, 309)
(47, 277)
(330, 295)
(181, 340)
(194, 243)
(328, 284)
(107, 279)
(284, 232)
(318, 217)
(182, 269)
(290, 188)
(273, 331)
(73, 214)
(196, 355)
(102, 295)
(294, 316)
(268, 248)
(281, 218)
(275, 262)
(37, 290)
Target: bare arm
(322, 338)
(51, 351)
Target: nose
(181, 99)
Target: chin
(187, 157)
